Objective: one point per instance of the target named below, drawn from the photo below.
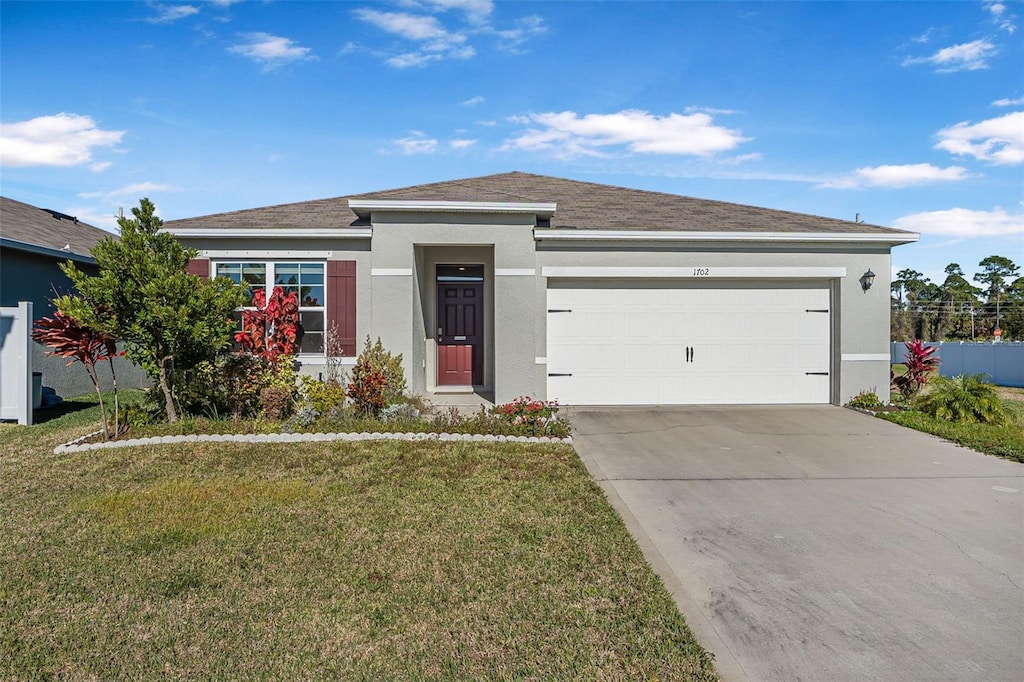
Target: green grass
(1003, 441)
(386, 560)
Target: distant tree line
(956, 309)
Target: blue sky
(908, 113)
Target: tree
(913, 286)
(169, 320)
(1014, 316)
(997, 269)
(958, 299)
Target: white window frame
(270, 270)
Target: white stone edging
(78, 446)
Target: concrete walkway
(818, 543)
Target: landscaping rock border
(78, 445)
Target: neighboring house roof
(580, 205)
(29, 228)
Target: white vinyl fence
(16, 363)
(1002, 362)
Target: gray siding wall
(319, 249)
(860, 318)
(406, 247)
(396, 293)
(34, 277)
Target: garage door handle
(559, 374)
(824, 374)
(816, 310)
(558, 311)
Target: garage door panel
(627, 345)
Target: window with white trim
(304, 278)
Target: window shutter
(200, 267)
(341, 302)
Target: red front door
(460, 324)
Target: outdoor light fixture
(867, 279)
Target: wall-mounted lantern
(867, 279)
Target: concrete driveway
(818, 543)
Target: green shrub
(963, 399)
(866, 400)
(228, 385)
(322, 396)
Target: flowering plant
(525, 412)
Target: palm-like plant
(68, 338)
(968, 399)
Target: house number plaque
(702, 272)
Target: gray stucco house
(519, 284)
(33, 242)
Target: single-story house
(33, 242)
(519, 284)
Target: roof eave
(558, 234)
(45, 251)
(272, 232)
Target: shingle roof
(41, 227)
(581, 205)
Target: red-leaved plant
(920, 364)
(532, 415)
(67, 338)
(271, 330)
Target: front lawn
(1003, 441)
(371, 560)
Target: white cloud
(409, 26)
(487, 124)
(1001, 17)
(1000, 141)
(709, 110)
(925, 37)
(416, 143)
(524, 28)
(95, 216)
(566, 134)
(1007, 102)
(964, 222)
(473, 101)
(270, 50)
(58, 140)
(460, 143)
(138, 189)
(434, 41)
(165, 14)
(476, 11)
(897, 176)
(962, 57)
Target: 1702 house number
(701, 272)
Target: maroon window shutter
(199, 266)
(341, 302)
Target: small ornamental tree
(67, 338)
(271, 330)
(920, 364)
(168, 319)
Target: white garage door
(647, 343)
